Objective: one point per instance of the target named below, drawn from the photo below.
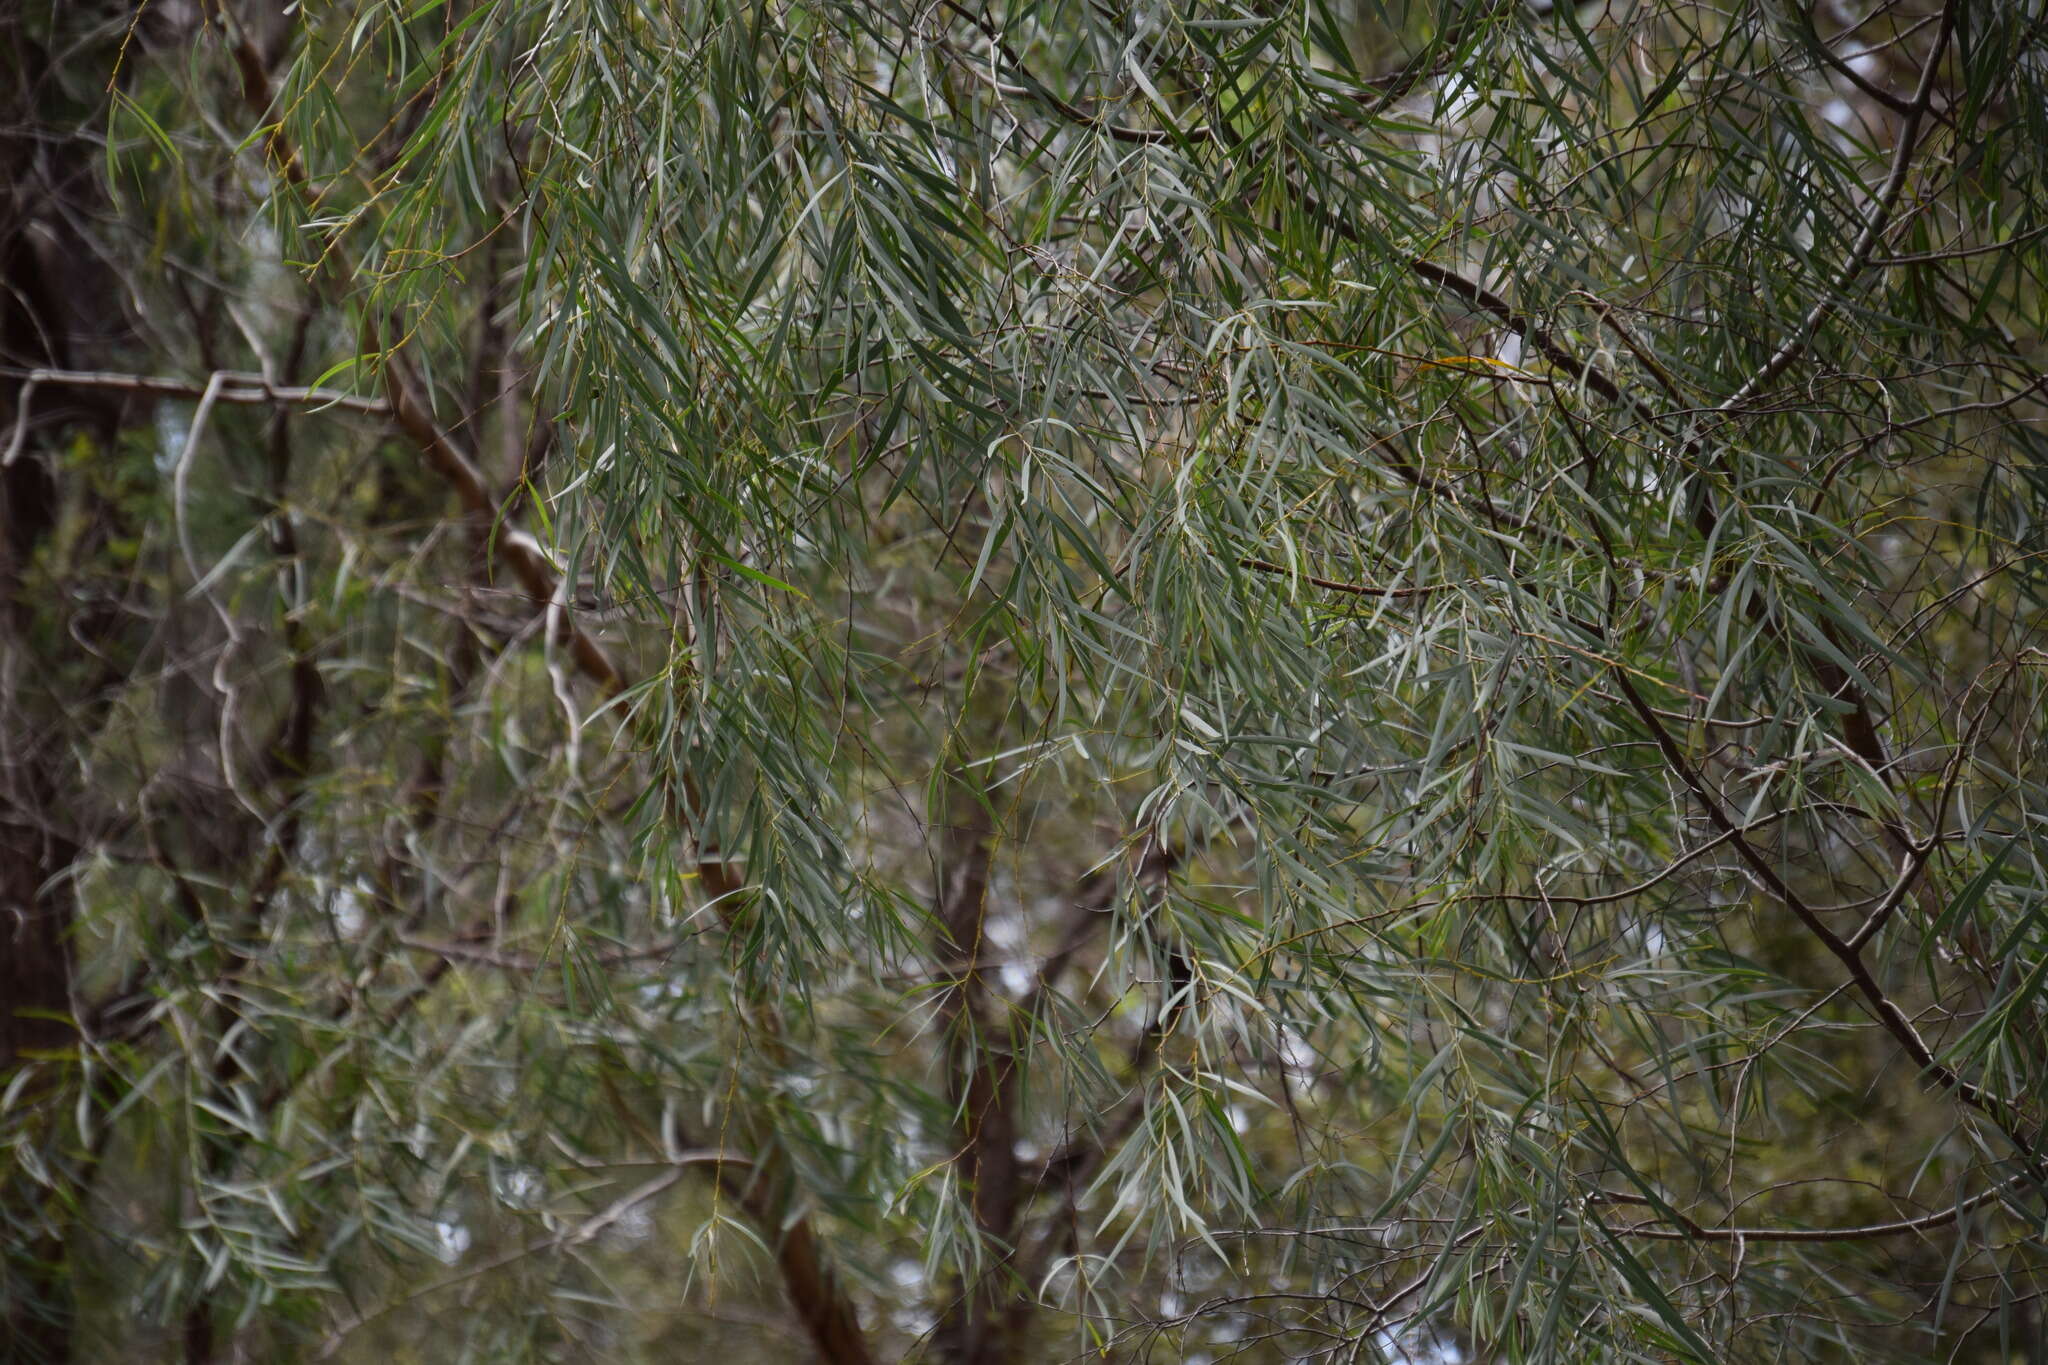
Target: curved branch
(1689, 1231)
(1795, 345)
(1338, 585)
(1882, 1007)
(1630, 893)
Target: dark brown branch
(1433, 61)
(1881, 1006)
(1689, 1231)
(478, 953)
(1956, 253)
(1523, 325)
(1630, 893)
(1828, 57)
(1338, 585)
(1795, 345)
(1040, 91)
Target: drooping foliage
(998, 684)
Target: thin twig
(1338, 585)
(1866, 242)
(1882, 1007)
(225, 386)
(1689, 1231)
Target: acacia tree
(991, 684)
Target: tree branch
(1882, 1007)
(1866, 242)
(1689, 1231)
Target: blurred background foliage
(828, 679)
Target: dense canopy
(1001, 682)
